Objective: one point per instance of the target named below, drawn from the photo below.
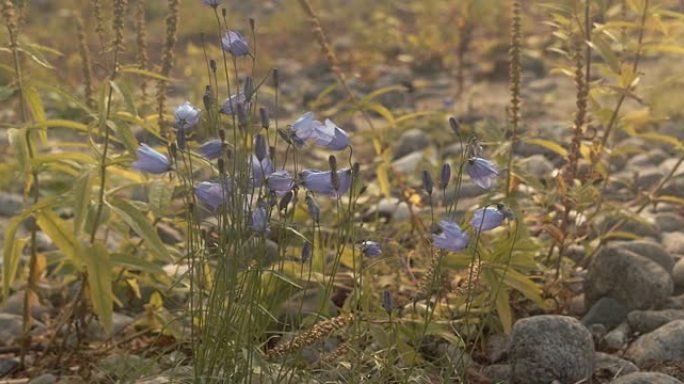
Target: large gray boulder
(647, 321)
(646, 378)
(665, 344)
(550, 347)
(635, 281)
(650, 250)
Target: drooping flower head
(213, 3)
(330, 136)
(490, 217)
(261, 169)
(280, 182)
(371, 248)
(211, 150)
(481, 171)
(452, 237)
(212, 194)
(230, 105)
(187, 116)
(321, 181)
(234, 43)
(304, 127)
(259, 219)
(151, 161)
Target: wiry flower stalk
(167, 58)
(514, 78)
(99, 22)
(319, 331)
(118, 24)
(141, 41)
(86, 64)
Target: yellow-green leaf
(503, 309)
(145, 73)
(550, 145)
(159, 197)
(59, 231)
(11, 253)
(140, 225)
(383, 180)
(81, 193)
(100, 283)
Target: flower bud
(306, 252)
(263, 115)
(260, 147)
(285, 201)
(427, 182)
(445, 176)
(208, 98)
(455, 125)
(387, 301)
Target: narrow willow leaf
(382, 111)
(135, 263)
(11, 254)
(602, 47)
(37, 111)
(550, 145)
(17, 137)
(81, 192)
(142, 72)
(58, 230)
(383, 180)
(159, 197)
(99, 270)
(503, 309)
(141, 226)
(78, 157)
(522, 283)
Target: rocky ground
(625, 322)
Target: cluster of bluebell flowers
(482, 172)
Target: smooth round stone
(550, 347)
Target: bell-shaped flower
(330, 136)
(304, 127)
(261, 170)
(487, 218)
(230, 105)
(481, 171)
(259, 221)
(280, 182)
(151, 161)
(235, 44)
(211, 150)
(213, 3)
(187, 116)
(452, 237)
(371, 248)
(212, 194)
(321, 181)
